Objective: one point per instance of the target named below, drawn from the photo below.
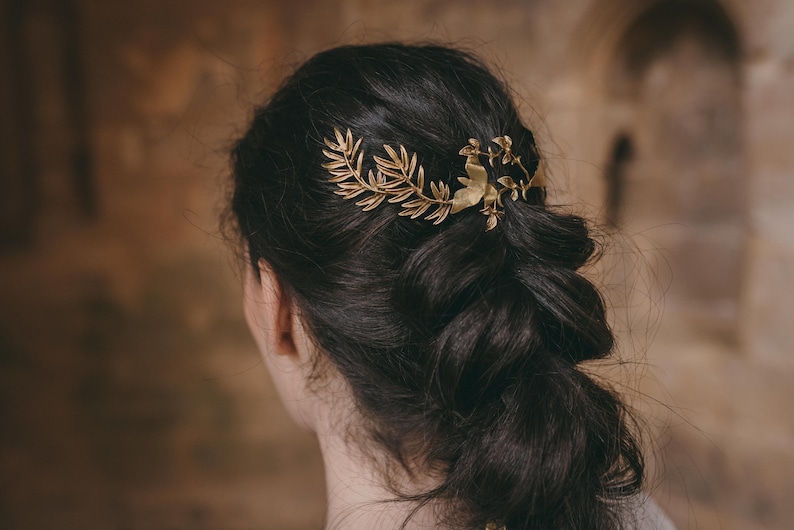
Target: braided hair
(461, 346)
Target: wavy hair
(462, 347)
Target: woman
(418, 305)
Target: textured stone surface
(130, 394)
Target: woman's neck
(356, 492)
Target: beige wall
(130, 395)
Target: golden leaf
(402, 196)
(360, 161)
(403, 157)
(467, 196)
(340, 139)
(426, 206)
(414, 203)
(334, 165)
(436, 190)
(382, 162)
(490, 224)
(348, 141)
(371, 202)
(467, 150)
(440, 214)
(391, 173)
(393, 154)
(333, 156)
(507, 182)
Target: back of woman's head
(460, 344)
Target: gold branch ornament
(400, 177)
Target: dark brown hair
(461, 346)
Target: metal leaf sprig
(400, 176)
(397, 178)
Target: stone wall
(130, 394)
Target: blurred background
(131, 396)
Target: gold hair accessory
(400, 177)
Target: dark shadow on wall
(619, 165)
(44, 140)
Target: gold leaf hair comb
(400, 177)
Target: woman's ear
(270, 312)
(285, 346)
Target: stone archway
(666, 79)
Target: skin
(353, 487)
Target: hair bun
(545, 236)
